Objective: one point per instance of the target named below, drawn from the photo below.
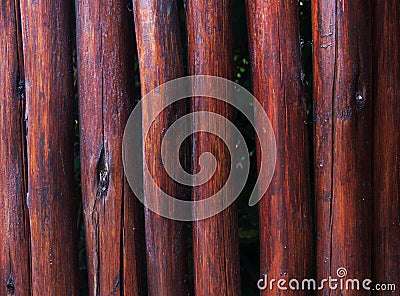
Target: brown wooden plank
(386, 163)
(342, 102)
(49, 94)
(286, 240)
(215, 239)
(14, 225)
(111, 213)
(160, 60)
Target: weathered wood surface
(14, 223)
(342, 138)
(356, 163)
(105, 48)
(215, 240)
(46, 31)
(286, 232)
(160, 60)
(386, 163)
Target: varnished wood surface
(160, 60)
(286, 231)
(386, 144)
(14, 218)
(342, 138)
(105, 49)
(215, 240)
(47, 51)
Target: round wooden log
(105, 49)
(342, 139)
(286, 232)
(160, 60)
(46, 31)
(215, 240)
(386, 161)
(14, 222)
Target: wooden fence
(334, 201)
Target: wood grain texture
(386, 141)
(215, 240)
(49, 112)
(342, 137)
(160, 60)
(14, 219)
(286, 232)
(112, 219)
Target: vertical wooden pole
(160, 60)
(386, 163)
(49, 94)
(286, 233)
(14, 225)
(111, 212)
(342, 102)
(215, 240)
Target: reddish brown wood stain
(111, 212)
(357, 169)
(215, 240)
(49, 111)
(386, 163)
(342, 102)
(160, 60)
(286, 240)
(14, 219)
